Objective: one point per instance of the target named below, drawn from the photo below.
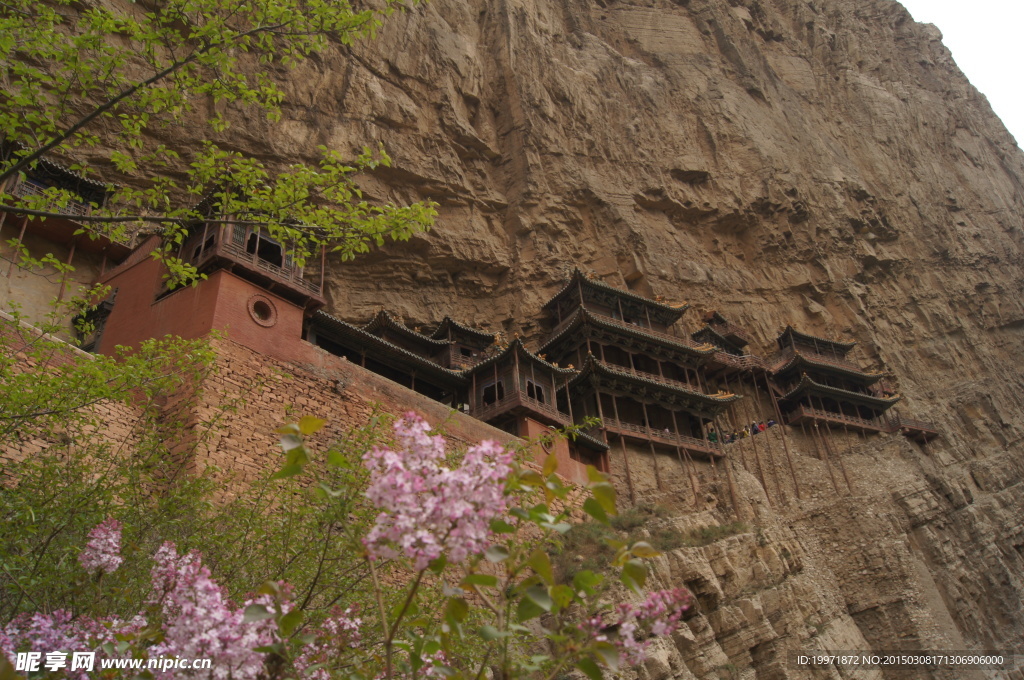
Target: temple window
(266, 249)
(535, 391)
(493, 393)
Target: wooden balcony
(519, 401)
(745, 362)
(286, 275)
(665, 437)
(458, 362)
(60, 230)
(812, 415)
(782, 358)
(912, 428)
(730, 331)
(654, 377)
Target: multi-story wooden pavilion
(817, 383)
(640, 376)
(730, 342)
(389, 348)
(467, 346)
(517, 391)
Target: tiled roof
(582, 316)
(811, 339)
(578, 276)
(517, 346)
(801, 358)
(595, 367)
(807, 384)
(447, 322)
(383, 320)
(342, 330)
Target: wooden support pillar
(782, 430)
(727, 464)
(64, 275)
(823, 457)
(625, 454)
(687, 468)
(828, 446)
(21, 239)
(650, 442)
(767, 440)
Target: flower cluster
(427, 509)
(103, 550)
(338, 634)
(199, 621)
(659, 614)
(56, 632)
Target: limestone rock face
(823, 164)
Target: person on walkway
(712, 436)
(762, 427)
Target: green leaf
(550, 465)
(586, 581)
(479, 580)
(604, 493)
(490, 633)
(562, 595)
(590, 668)
(437, 565)
(310, 425)
(287, 471)
(527, 610)
(609, 655)
(500, 526)
(456, 611)
(289, 622)
(539, 596)
(595, 510)
(634, 575)
(496, 553)
(541, 563)
(644, 549)
(256, 612)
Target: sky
(987, 44)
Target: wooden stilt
(782, 430)
(768, 443)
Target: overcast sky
(986, 41)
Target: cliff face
(819, 163)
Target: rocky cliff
(823, 164)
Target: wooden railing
(781, 358)
(744, 362)
(653, 377)
(514, 399)
(290, 275)
(456, 360)
(726, 329)
(662, 436)
(679, 340)
(877, 424)
(898, 423)
(71, 208)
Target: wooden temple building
(639, 377)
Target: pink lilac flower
(659, 614)
(427, 509)
(56, 632)
(338, 634)
(103, 550)
(200, 622)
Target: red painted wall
(221, 302)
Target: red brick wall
(221, 302)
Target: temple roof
(362, 340)
(517, 346)
(668, 314)
(821, 363)
(88, 189)
(457, 329)
(583, 316)
(664, 393)
(709, 330)
(808, 386)
(808, 339)
(384, 321)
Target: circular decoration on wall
(262, 310)
(547, 443)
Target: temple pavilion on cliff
(817, 383)
(638, 376)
